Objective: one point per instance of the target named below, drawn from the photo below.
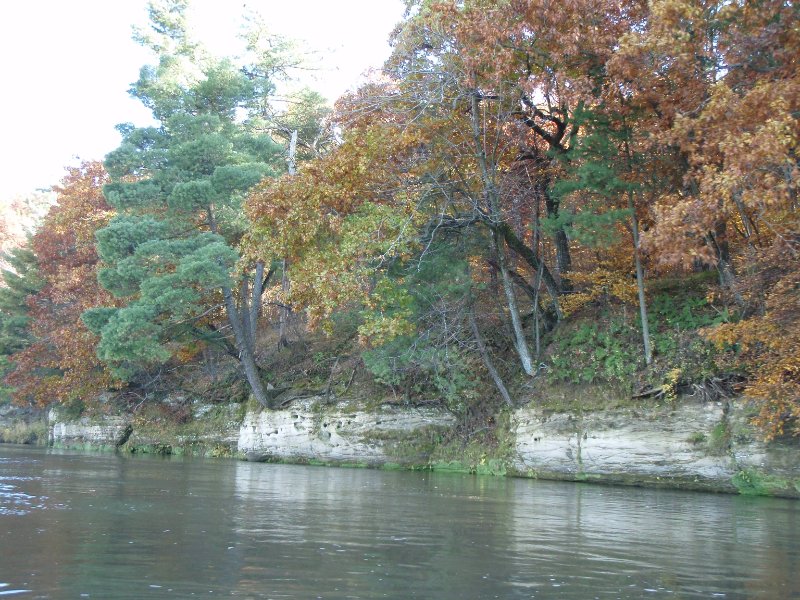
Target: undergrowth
(607, 348)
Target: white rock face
(667, 443)
(106, 433)
(335, 434)
(703, 445)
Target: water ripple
(14, 500)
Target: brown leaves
(769, 344)
(335, 218)
(61, 365)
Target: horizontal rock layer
(706, 446)
(337, 433)
(689, 445)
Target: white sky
(66, 66)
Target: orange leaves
(337, 219)
(541, 44)
(61, 365)
(774, 356)
(729, 101)
(713, 85)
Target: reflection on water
(113, 526)
(15, 498)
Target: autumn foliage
(517, 167)
(565, 131)
(61, 365)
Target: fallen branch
(655, 392)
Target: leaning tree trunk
(243, 331)
(490, 190)
(520, 343)
(530, 257)
(487, 360)
(246, 354)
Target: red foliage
(61, 365)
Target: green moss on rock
(752, 482)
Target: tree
(540, 132)
(19, 217)
(340, 220)
(20, 280)
(170, 253)
(59, 364)
(536, 62)
(716, 88)
(603, 165)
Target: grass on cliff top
(595, 360)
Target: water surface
(80, 525)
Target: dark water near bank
(105, 526)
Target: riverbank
(707, 446)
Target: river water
(80, 525)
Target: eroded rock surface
(338, 433)
(693, 445)
(110, 431)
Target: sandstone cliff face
(690, 445)
(337, 433)
(108, 432)
(707, 446)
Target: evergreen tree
(601, 165)
(20, 281)
(178, 187)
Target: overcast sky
(67, 65)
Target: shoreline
(706, 447)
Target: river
(82, 525)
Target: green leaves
(594, 352)
(21, 281)
(169, 281)
(201, 156)
(178, 187)
(132, 196)
(124, 234)
(599, 170)
(229, 179)
(141, 151)
(192, 196)
(130, 336)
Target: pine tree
(20, 282)
(178, 187)
(601, 165)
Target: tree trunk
(493, 200)
(557, 141)
(648, 349)
(246, 352)
(727, 277)
(563, 258)
(518, 246)
(520, 342)
(246, 356)
(536, 312)
(487, 361)
(255, 300)
(244, 315)
(283, 318)
(284, 314)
